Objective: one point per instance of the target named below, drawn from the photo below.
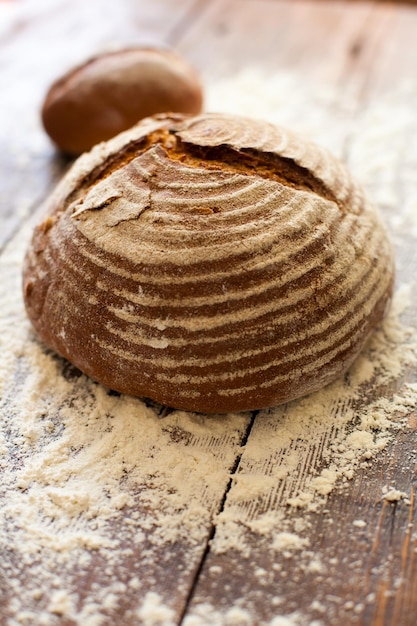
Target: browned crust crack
(224, 158)
(254, 163)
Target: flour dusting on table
(89, 478)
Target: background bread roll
(111, 92)
(212, 263)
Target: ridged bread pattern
(211, 263)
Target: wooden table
(356, 557)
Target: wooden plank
(334, 43)
(36, 47)
(313, 37)
(352, 558)
(397, 48)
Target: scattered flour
(90, 478)
(336, 430)
(154, 613)
(108, 501)
(207, 615)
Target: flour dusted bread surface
(211, 263)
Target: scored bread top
(212, 263)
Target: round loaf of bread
(211, 263)
(113, 91)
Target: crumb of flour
(391, 494)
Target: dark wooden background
(362, 49)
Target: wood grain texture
(315, 37)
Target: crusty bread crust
(211, 263)
(111, 92)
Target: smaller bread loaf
(111, 92)
(211, 263)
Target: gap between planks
(221, 507)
